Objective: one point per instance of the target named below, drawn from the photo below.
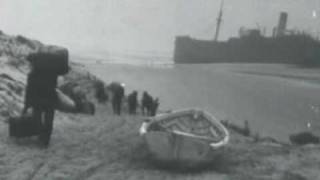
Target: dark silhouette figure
(146, 103)
(133, 102)
(101, 94)
(304, 138)
(154, 108)
(42, 98)
(117, 90)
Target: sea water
(274, 105)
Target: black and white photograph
(159, 89)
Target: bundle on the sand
(78, 96)
(188, 137)
(87, 107)
(50, 59)
(304, 138)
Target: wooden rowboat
(186, 136)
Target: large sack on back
(65, 103)
(50, 59)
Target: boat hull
(168, 147)
(180, 147)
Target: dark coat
(41, 90)
(133, 99)
(117, 89)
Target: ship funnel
(282, 25)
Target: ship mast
(219, 20)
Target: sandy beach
(108, 147)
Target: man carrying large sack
(41, 94)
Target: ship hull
(297, 49)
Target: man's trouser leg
(130, 108)
(37, 117)
(47, 126)
(119, 106)
(114, 106)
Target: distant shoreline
(315, 80)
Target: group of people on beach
(41, 95)
(148, 104)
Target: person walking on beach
(42, 98)
(146, 103)
(133, 102)
(117, 90)
(41, 94)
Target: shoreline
(226, 102)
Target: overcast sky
(145, 25)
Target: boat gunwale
(225, 137)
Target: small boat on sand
(185, 136)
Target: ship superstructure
(252, 46)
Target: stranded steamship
(284, 46)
